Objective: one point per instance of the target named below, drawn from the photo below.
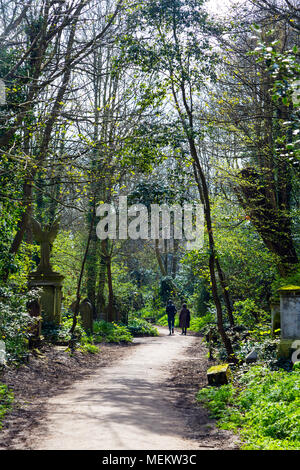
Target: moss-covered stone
(219, 375)
(289, 289)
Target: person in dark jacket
(184, 319)
(171, 312)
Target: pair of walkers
(184, 317)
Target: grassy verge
(264, 407)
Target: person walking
(171, 312)
(184, 319)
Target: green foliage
(217, 399)
(246, 312)
(60, 334)
(251, 332)
(293, 279)
(284, 68)
(248, 265)
(199, 323)
(152, 312)
(8, 218)
(111, 333)
(263, 408)
(200, 299)
(296, 366)
(66, 255)
(89, 347)
(166, 291)
(127, 296)
(140, 327)
(24, 263)
(6, 399)
(15, 322)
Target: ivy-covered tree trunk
(271, 221)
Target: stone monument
(86, 314)
(44, 277)
(289, 320)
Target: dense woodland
(165, 102)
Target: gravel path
(123, 406)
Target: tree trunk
(100, 304)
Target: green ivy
(264, 407)
(6, 399)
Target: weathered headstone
(34, 310)
(219, 375)
(86, 314)
(289, 319)
(45, 277)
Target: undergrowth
(6, 399)
(264, 407)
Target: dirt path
(122, 407)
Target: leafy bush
(15, 322)
(199, 323)
(152, 312)
(111, 333)
(61, 333)
(89, 347)
(140, 327)
(166, 289)
(264, 408)
(216, 399)
(6, 399)
(246, 312)
(292, 280)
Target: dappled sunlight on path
(123, 406)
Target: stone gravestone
(86, 314)
(45, 277)
(34, 310)
(289, 319)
